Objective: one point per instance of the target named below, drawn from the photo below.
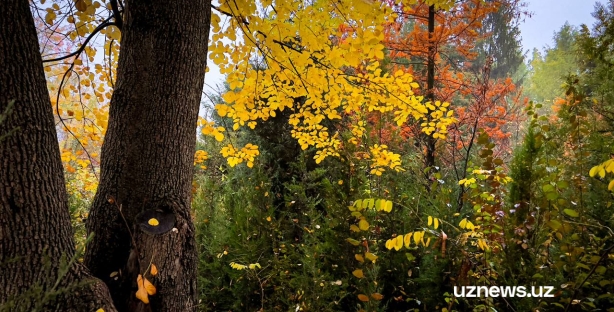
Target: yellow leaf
(363, 298)
(407, 239)
(358, 273)
(363, 225)
(352, 241)
(100, 310)
(463, 223)
(430, 221)
(154, 270)
(359, 258)
(153, 222)
(436, 221)
(593, 171)
(253, 266)
(50, 17)
(388, 206)
(354, 228)
(398, 242)
(418, 237)
(611, 185)
(370, 256)
(81, 5)
(219, 137)
(141, 293)
(268, 218)
(390, 244)
(377, 296)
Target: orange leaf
(362, 297)
(149, 287)
(141, 293)
(377, 296)
(153, 270)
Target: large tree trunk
(36, 238)
(147, 157)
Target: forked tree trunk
(35, 229)
(147, 157)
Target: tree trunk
(36, 238)
(430, 88)
(147, 157)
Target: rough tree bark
(147, 157)
(35, 229)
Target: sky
(537, 31)
(548, 16)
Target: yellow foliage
(305, 51)
(398, 242)
(358, 273)
(601, 170)
(407, 240)
(199, 158)
(363, 225)
(370, 256)
(246, 154)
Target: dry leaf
(149, 287)
(377, 296)
(141, 293)
(153, 270)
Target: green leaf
(548, 188)
(353, 241)
(552, 196)
(410, 257)
(555, 225)
(572, 213)
(562, 184)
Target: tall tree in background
(38, 270)
(549, 68)
(501, 42)
(441, 53)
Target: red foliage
(478, 101)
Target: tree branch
(100, 27)
(117, 15)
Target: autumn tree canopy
(362, 156)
